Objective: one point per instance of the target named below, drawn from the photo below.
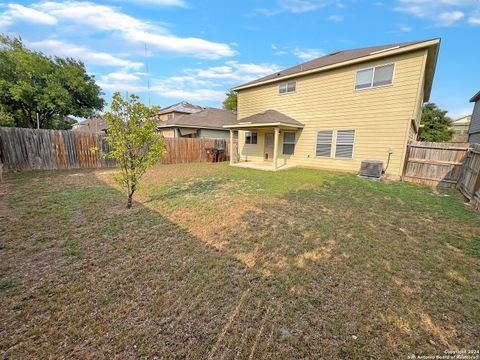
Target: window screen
(284, 88)
(288, 143)
(344, 144)
(324, 143)
(364, 79)
(383, 75)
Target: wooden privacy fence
(469, 183)
(37, 149)
(187, 150)
(435, 164)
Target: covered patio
(261, 136)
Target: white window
(375, 76)
(288, 143)
(251, 137)
(324, 143)
(287, 87)
(344, 144)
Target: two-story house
(337, 110)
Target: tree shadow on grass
(301, 277)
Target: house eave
(422, 45)
(263, 125)
(160, 127)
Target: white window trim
(373, 75)
(353, 145)
(287, 92)
(290, 143)
(333, 148)
(331, 144)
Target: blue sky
(172, 50)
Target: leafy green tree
(230, 103)
(436, 124)
(134, 141)
(54, 88)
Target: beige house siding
(381, 117)
(168, 133)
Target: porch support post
(231, 147)
(275, 148)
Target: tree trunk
(129, 201)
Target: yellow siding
(170, 133)
(380, 116)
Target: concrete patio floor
(262, 165)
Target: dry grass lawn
(215, 262)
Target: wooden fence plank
(438, 164)
(38, 149)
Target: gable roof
(464, 120)
(96, 124)
(475, 97)
(266, 118)
(181, 107)
(347, 57)
(208, 118)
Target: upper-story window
(375, 76)
(170, 116)
(287, 87)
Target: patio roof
(269, 118)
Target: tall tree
(135, 143)
(436, 124)
(54, 88)
(230, 103)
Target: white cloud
(60, 48)
(178, 3)
(442, 12)
(308, 54)
(120, 76)
(235, 72)
(335, 18)
(406, 28)
(106, 18)
(20, 12)
(474, 19)
(296, 6)
(448, 18)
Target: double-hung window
(344, 144)
(287, 87)
(324, 143)
(251, 137)
(374, 76)
(288, 143)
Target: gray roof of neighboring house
(335, 57)
(96, 124)
(181, 107)
(268, 117)
(475, 97)
(209, 118)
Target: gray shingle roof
(269, 117)
(335, 57)
(209, 118)
(182, 107)
(475, 97)
(95, 125)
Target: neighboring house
(460, 129)
(337, 110)
(474, 129)
(181, 108)
(93, 125)
(207, 123)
